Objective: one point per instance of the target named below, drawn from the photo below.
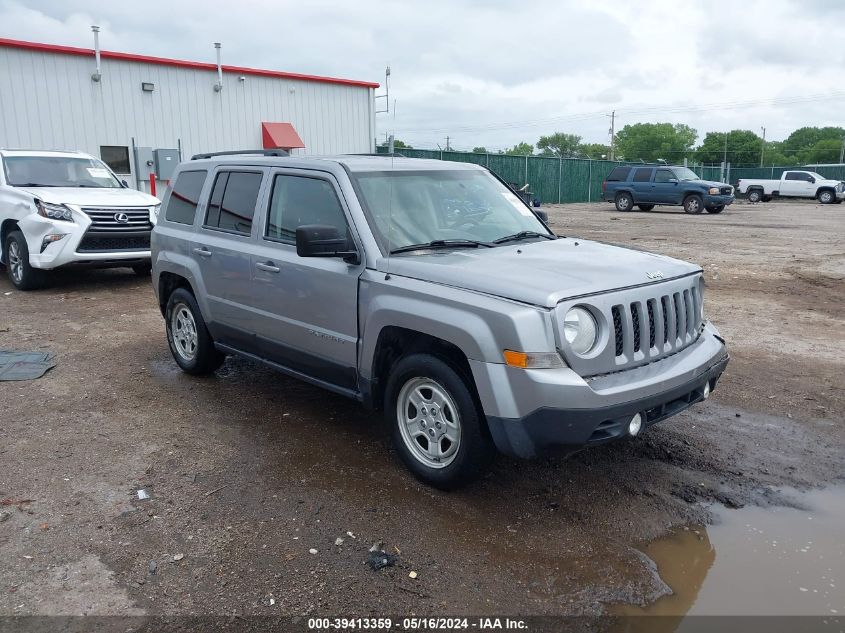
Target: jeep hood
(540, 273)
(92, 197)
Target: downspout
(219, 85)
(97, 75)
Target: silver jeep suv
(428, 290)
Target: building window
(116, 157)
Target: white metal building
(55, 97)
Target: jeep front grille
(644, 324)
(669, 323)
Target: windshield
(682, 173)
(58, 171)
(816, 176)
(417, 207)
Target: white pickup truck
(793, 184)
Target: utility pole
(612, 134)
(842, 151)
(725, 159)
(763, 146)
(448, 148)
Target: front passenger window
(300, 200)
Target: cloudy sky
(496, 72)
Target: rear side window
(233, 199)
(794, 175)
(184, 197)
(642, 175)
(296, 201)
(619, 174)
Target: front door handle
(268, 267)
(203, 252)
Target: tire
(142, 270)
(187, 335)
(826, 196)
(754, 195)
(624, 202)
(21, 274)
(645, 207)
(463, 449)
(714, 210)
(693, 204)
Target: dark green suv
(649, 185)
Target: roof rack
(259, 152)
(394, 154)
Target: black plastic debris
(380, 559)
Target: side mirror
(674, 181)
(315, 240)
(811, 180)
(124, 183)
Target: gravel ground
(249, 471)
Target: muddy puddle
(756, 561)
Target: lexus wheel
(142, 270)
(437, 425)
(187, 335)
(22, 275)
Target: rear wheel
(187, 335)
(436, 424)
(624, 202)
(755, 195)
(645, 207)
(21, 274)
(826, 196)
(693, 205)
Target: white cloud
(493, 73)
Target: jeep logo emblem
(121, 217)
(657, 274)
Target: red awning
(280, 135)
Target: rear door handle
(268, 267)
(203, 252)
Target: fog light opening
(706, 393)
(635, 425)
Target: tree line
(673, 143)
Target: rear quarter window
(619, 174)
(642, 174)
(184, 197)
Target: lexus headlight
(580, 330)
(154, 214)
(714, 191)
(54, 211)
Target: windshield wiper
(456, 243)
(523, 235)
(32, 184)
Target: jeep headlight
(701, 298)
(713, 191)
(54, 211)
(580, 330)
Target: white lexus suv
(68, 208)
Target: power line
(729, 105)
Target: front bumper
(69, 249)
(530, 411)
(718, 201)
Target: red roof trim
(164, 61)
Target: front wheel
(645, 207)
(436, 425)
(718, 209)
(624, 202)
(187, 335)
(693, 205)
(22, 275)
(827, 197)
